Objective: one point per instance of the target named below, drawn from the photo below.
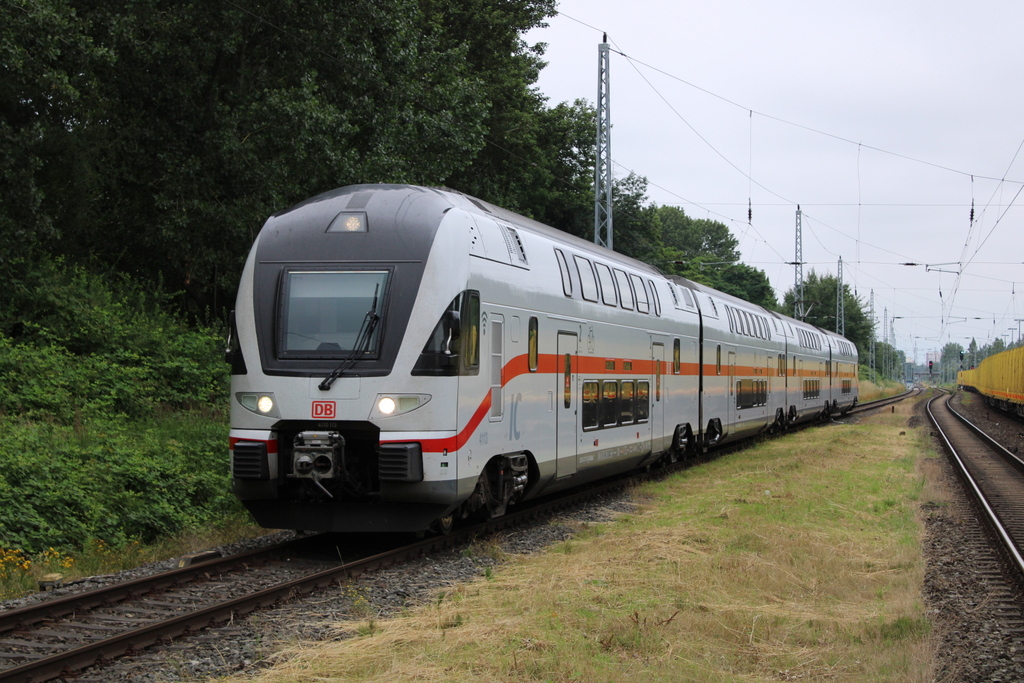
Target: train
(406, 357)
(999, 379)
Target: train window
(847, 386)
(625, 293)
(470, 348)
(675, 357)
(563, 268)
(591, 407)
(718, 360)
(687, 297)
(642, 304)
(604, 276)
(497, 363)
(533, 344)
(655, 298)
(323, 312)
(588, 282)
(609, 403)
(453, 347)
(643, 400)
(658, 351)
(675, 297)
(626, 403)
(567, 382)
(714, 309)
(782, 365)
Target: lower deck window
(751, 393)
(611, 403)
(626, 403)
(812, 388)
(847, 386)
(591, 407)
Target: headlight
(389, 405)
(259, 403)
(386, 405)
(265, 404)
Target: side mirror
(453, 322)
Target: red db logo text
(324, 410)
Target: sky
(883, 121)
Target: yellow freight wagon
(1000, 379)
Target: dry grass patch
(870, 391)
(796, 559)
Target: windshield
(324, 311)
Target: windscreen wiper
(362, 344)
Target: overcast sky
(873, 116)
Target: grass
(870, 391)
(93, 473)
(796, 559)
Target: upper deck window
(604, 274)
(642, 304)
(588, 282)
(325, 313)
(625, 293)
(563, 268)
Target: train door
(731, 395)
(566, 439)
(658, 400)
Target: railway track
(993, 477)
(882, 402)
(63, 636)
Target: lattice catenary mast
(872, 333)
(798, 268)
(840, 303)
(603, 160)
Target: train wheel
(443, 525)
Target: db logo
(324, 410)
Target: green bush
(110, 409)
(115, 480)
(80, 344)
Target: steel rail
(990, 515)
(103, 651)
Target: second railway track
(62, 637)
(992, 474)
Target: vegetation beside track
(110, 444)
(872, 391)
(795, 559)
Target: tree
(158, 136)
(48, 62)
(635, 223)
(820, 310)
(706, 252)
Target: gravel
(972, 638)
(971, 610)
(246, 646)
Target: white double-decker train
(404, 357)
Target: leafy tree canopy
(820, 310)
(155, 137)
